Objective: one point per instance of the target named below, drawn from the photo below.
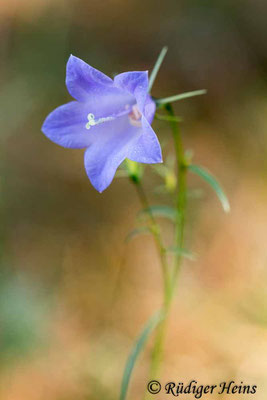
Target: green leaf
(156, 68)
(160, 211)
(184, 253)
(168, 118)
(143, 230)
(138, 347)
(211, 180)
(181, 96)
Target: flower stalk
(180, 204)
(181, 165)
(155, 230)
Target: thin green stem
(179, 239)
(157, 353)
(180, 200)
(167, 118)
(177, 97)
(157, 66)
(160, 335)
(180, 194)
(155, 230)
(169, 280)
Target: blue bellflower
(110, 118)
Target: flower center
(135, 117)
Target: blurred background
(73, 294)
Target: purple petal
(147, 149)
(149, 109)
(80, 77)
(66, 126)
(136, 83)
(108, 151)
(86, 84)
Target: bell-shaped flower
(110, 118)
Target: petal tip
(99, 188)
(71, 57)
(158, 160)
(45, 125)
(72, 60)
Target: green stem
(155, 230)
(157, 353)
(158, 346)
(179, 238)
(169, 281)
(180, 194)
(180, 200)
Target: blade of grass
(138, 347)
(159, 211)
(181, 96)
(138, 231)
(183, 252)
(168, 118)
(156, 68)
(212, 181)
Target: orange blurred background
(73, 294)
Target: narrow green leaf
(181, 96)
(138, 347)
(167, 118)
(211, 180)
(184, 253)
(160, 211)
(143, 230)
(157, 67)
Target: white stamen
(92, 121)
